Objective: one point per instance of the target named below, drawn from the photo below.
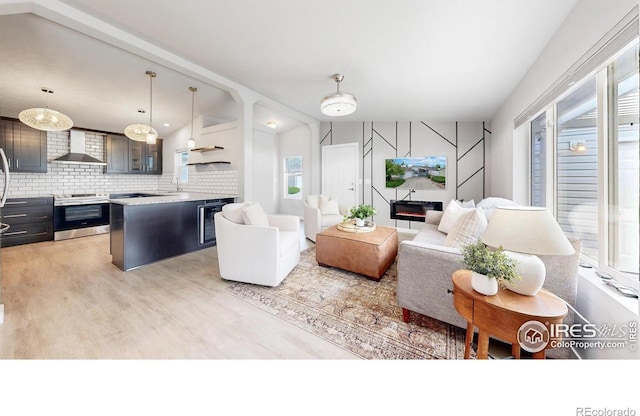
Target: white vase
(359, 222)
(483, 284)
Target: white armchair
(254, 247)
(321, 212)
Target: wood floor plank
(66, 300)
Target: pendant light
(191, 143)
(142, 132)
(338, 103)
(45, 118)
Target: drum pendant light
(45, 118)
(338, 103)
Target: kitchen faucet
(178, 187)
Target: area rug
(357, 314)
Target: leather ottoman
(369, 254)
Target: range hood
(77, 154)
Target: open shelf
(207, 148)
(216, 162)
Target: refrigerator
(3, 226)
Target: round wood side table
(503, 314)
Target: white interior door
(340, 173)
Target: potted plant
(359, 213)
(489, 268)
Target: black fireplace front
(413, 210)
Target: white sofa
(254, 247)
(320, 212)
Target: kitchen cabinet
(117, 153)
(145, 158)
(129, 156)
(25, 148)
(30, 220)
(146, 230)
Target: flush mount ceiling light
(45, 118)
(142, 132)
(338, 103)
(191, 143)
(272, 124)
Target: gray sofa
(425, 267)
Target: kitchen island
(150, 226)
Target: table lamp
(525, 233)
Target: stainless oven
(80, 215)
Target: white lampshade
(338, 103)
(530, 230)
(151, 137)
(139, 132)
(525, 233)
(45, 119)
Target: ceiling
(436, 60)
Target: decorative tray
(351, 227)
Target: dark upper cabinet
(153, 158)
(129, 156)
(117, 153)
(25, 148)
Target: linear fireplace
(413, 210)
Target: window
(181, 165)
(586, 167)
(624, 164)
(293, 177)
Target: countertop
(163, 197)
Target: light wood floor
(66, 300)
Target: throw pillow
(313, 201)
(451, 214)
(329, 206)
(467, 229)
(433, 217)
(254, 215)
(468, 204)
(488, 205)
(233, 212)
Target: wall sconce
(577, 145)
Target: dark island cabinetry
(143, 233)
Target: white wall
(461, 142)
(295, 142)
(589, 21)
(221, 179)
(265, 170)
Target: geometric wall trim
(463, 144)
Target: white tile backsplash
(80, 179)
